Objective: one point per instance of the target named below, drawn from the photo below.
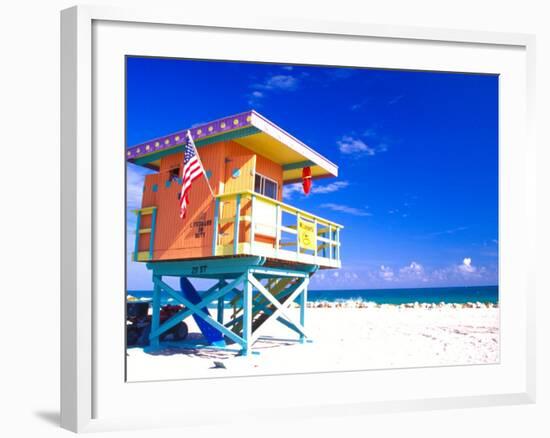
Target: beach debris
(219, 364)
(361, 304)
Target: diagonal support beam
(196, 309)
(280, 307)
(184, 313)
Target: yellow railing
(266, 227)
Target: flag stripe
(192, 169)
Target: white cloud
(449, 231)
(350, 276)
(395, 100)
(290, 189)
(346, 209)
(370, 132)
(254, 98)
(414, 268)
(351, 145)
(296, 188)
(414, 271)
(134, 186)
(370, 142)
(359, 105)
(329, 188)
(466, 267)
(415, 274)
(386, 273)
(465, 271)
(278, 82)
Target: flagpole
(200, 161)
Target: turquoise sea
(483, 294)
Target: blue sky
(417, 152)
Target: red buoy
(306, 179)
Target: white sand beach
(356, 337)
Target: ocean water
(483, 294)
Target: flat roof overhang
(250, 130)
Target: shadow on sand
(50, 417)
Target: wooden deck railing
(262, 226)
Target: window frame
(263, 178)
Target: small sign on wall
(306, 234)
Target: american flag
(192, 169)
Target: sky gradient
(417, 190)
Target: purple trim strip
(198, 132)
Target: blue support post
(155, 318)
(247, 315)
(216, 224)
(197, 309)
(221, 303)
(236, 226)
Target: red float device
(306, 179)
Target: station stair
(279, 288)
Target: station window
(266, 186)
(174, 174)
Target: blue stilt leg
(247, 315)
(221, 301)
(155, 318)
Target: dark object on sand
(138, 324)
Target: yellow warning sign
(307, 234)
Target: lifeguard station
(260, 252)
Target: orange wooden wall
(192, 237)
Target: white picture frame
(90, 382)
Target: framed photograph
(265, 216)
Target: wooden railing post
(152, 235)
(297, 234)
(278, 223)
(327, 233)
(215, 227)
(329, 242)
(315, 246)
(136, 245)
(337, 244)
(252, 222)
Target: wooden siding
(192, 237)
